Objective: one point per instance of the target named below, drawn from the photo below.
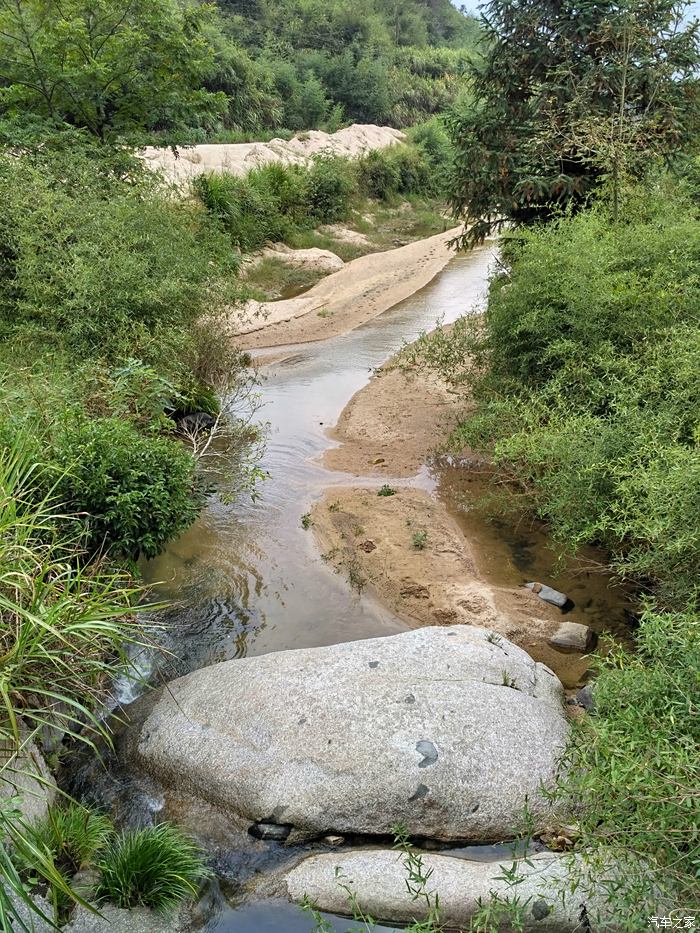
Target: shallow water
(246, 577)
(274, 916)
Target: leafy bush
(586, 370)
(135, 492)
(101, 264)
(635, 764)
(379, 176)
(155, 867)
(331, 184)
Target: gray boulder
(440, 728)
(377, 878)
(114, 920)
(30, 920)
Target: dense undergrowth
(585, 370)
(111, 292)
(282, 203)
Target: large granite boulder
(377, 880)
(447, 730)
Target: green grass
(420, 540)
(155, 867)
(386, 490)
(65, 621)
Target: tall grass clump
(155, 867)
(65, 620)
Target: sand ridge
(184, 163)
(360, 291)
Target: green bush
(135, 492)
(156, 867)
(101, 264)
(331, 184)
(635, 764)
(379, 176)
(586, 370)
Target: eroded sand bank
(361, 290)
(407, 548)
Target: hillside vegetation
(190, 72)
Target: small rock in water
(572, 636)
(585, 699)
(553, 597)
(334, 840)
(270, 832)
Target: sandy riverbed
(389, 430)
(360, 291)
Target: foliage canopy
(569, 95)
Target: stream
(247, 579)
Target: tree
(111, 66)
(570, 95)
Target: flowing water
(246, 579)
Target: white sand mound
(240, 158)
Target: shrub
(379, 176)
(635, 764)
(135, 492)
(155, 867)
(330, 186)
(99, 264)
(586, 370)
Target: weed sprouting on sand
(420, 539)
(387, 490)
(306, 521)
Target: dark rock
(585, 699)
(196, 423)
(541, 909)
(270, 832)
(553, 597)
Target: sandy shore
(361, 290)
(407, 548)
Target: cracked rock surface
(444, 730)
